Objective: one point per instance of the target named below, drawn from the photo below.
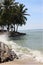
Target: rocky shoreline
(6, 53)
(14, 34)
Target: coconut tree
(1, 10)
(6, 13)
(21, 15)
(8, 10)
(13, 13)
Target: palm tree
(21, 15)
(13, 13)
(8, 12)
(1, 23)
(6, 15)
(0, 12)
(13, 16)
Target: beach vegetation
(12, 15)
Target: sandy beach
(22, 62)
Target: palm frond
(27, 14)
(24, 11)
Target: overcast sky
(35, 9)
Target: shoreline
(24, 61)
(13, 34)
(27, 61)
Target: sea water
(29, 45)
(33, 39)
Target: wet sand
(22, 62)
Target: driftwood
(6, 53)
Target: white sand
(22, 62)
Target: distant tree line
(12, 14)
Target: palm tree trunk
(14, 28)
(17, 28)
(2, 28)
(8, 28)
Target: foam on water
(22, 52)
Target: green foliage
(12, 13)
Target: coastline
(13, 34)
(24, 61)
(27, 61)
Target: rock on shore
(14, 34)
(6, 53)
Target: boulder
(6, 53)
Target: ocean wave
(22, 52)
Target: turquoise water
(33, 39)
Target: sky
(35, 9)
